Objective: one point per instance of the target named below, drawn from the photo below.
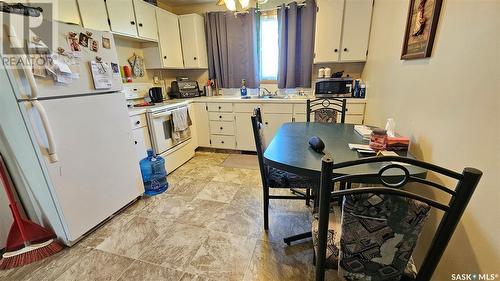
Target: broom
(27, 241)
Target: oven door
(161, 131)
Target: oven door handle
(161, 114)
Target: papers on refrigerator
(101, 73)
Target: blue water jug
(154, 174)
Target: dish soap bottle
(243, 89)
(154, 174)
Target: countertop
(230, 99)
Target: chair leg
(297, 237)
(266, 208)
(308, 194)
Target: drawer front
(277, 108)
(300, 108)
(356, 108)
(222, 128)
(138, 121)
(354, 119)
(224, 142)
(220, 107)
(220, 116)
(246, 107)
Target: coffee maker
(156, 94)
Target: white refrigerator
(70, 144)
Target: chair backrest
(382, 224)
(258, 134)
(326, 110)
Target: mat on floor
(242, 161)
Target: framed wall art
(423, 17)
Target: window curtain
(232, 46)
(296, 44)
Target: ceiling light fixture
(231, 5)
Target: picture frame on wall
(421, 24)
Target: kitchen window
(269, 47)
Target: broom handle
(10, 196)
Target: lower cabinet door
(141, 141)
(223, 142)
(272, 122)
(244, 132)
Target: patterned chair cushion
(379, 233)
(333, 240)
(281, 179)
(325, 115)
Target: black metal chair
(326, 110)
(272, 177)
(380, 226)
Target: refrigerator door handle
(25, 67)
(51, 149)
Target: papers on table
(363, 130)
(361, 148)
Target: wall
(449, 105)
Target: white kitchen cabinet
(328, 30)
(168, 52)
(356, 31)
(192, 29)
(122, 17)
(146, 20)
(201, 124)
(244, 131)
(342, 30)
(272, 122)
(67, 11)
(93, 13)
(142, 142)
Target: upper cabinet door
(68, 11)
(357, 22)
(94, 14)
(122, 17)
(328, 30)
(194, 45)
(169, 39)
(146, 20)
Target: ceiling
(185, 2)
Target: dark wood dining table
(289, 150)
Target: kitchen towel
(181, 119)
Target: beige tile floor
(207, 226)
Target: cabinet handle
(222, 142)
(135, 142)
(345, 49)
(165, 57)
(266, 123)
(195, 58)
(336, 50)
(140, 24)
(138, 122)
(220, 116)
(220, 107)
(221, 128)
(132, 22)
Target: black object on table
(290, 151)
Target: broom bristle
(28, 256)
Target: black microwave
(334, 87)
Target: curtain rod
(299, 4)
